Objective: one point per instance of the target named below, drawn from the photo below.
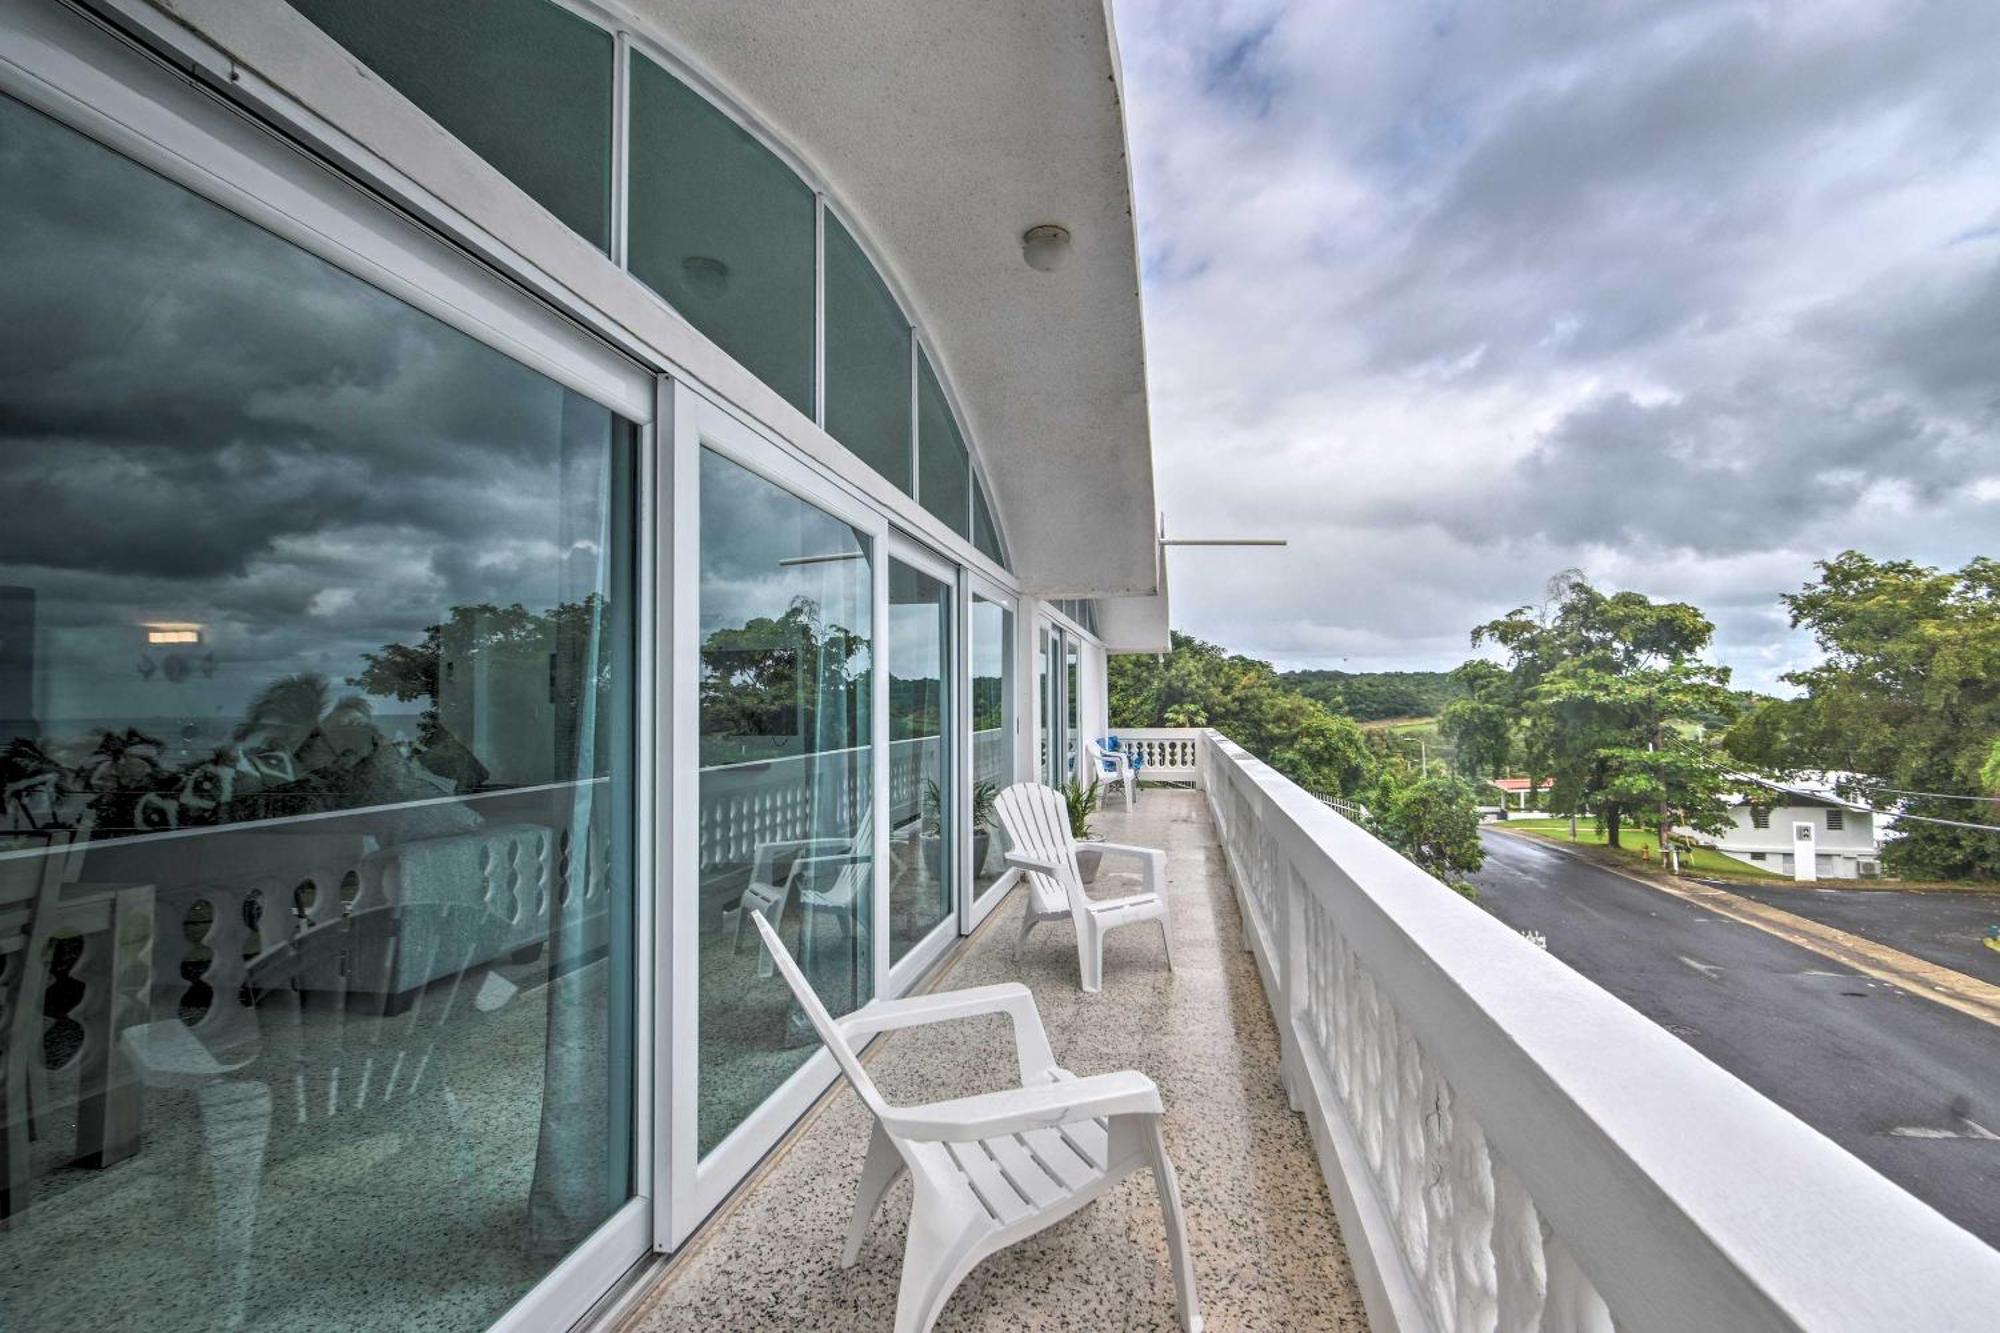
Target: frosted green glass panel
(985, 532)
(523, 83)
(723, 230)
(867, 360)
(944, 477)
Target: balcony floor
(1267, 1250)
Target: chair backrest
(857, 875)
(822, 1021)
(1109, 759)
(1036, 821)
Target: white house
(1774, 825)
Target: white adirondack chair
(1037, 823)
(993, 1169)
(1113, 766)
(847, 860)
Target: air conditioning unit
(1868, 869)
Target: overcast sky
(1455, 295)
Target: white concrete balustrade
(1510, 1147)
(1169, 752)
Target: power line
(1941, 795)
(1950, 823)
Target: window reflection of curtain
(839, 795)
(583, 1145)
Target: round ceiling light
(1045, 247)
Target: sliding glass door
(990, 653)
(317, 695)
(786, 797)
(923, 749)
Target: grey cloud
(1688, 293)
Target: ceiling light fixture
(1045, 247)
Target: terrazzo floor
(1267, 1250)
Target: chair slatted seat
(990, 1170)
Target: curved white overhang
(942, 129)
(946, 129)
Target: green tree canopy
(1613, 695)
(1908, 694)
(1198, 684)
(1433, 820)
(1479, 724)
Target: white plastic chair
(993, 1169)
(1037, 823)
(848, 860)
(1113, 766)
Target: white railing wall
(1510, 1147)
(745, 805)
(1169, 752)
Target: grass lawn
(1700, 861)
(1409, 724)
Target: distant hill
(1372, 696)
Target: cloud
(200, 422)
(1689, 294)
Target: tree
(1433, 820)
(1199, 684)
(1479, 725)
(1613, 697)
(1908, 694)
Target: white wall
(1840, 850)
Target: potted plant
(983, 796)
(1082, 800)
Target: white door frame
(695, 1184)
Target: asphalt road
(1944, 928)
(1910, 1087)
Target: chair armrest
(768, 852)
(1019, 1110)
(1153, 862)
(1023, 861)
(1031, 1040)
(815, 864)
(1124, 849)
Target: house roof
(1797, 793)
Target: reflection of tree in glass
(285, 714)
(989, 703)
(763, 685)
(300, 749)
(486, 644)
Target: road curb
(1919, 976)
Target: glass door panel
(316, 688)
(1048, 743)
(922, 786)
(993, 733)
(1072, 697)
(786, 796)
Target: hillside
(1374, 696)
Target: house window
(1758, 856)
(1760, 816)
(1836, 820)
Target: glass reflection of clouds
(315, 693)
